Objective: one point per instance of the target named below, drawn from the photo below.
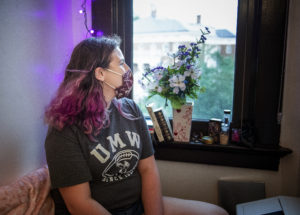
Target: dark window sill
(229, 155)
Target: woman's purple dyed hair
(79, 99)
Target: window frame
(260, 56)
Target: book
(156, 126)
(164, 123)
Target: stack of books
(161, 124)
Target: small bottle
(224, 134)
(227, 114)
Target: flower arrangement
(180, 80)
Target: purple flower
(207, 29)
(141, 83)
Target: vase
(182, 123)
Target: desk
(279, 205)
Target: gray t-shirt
(109, 165)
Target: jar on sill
(224, 134)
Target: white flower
(159, 89)
(176, 90)
(141, 83)
(187, 73)
(177, 81)
(155, 87)
(193, 73)
(178, 64)
(172, 55)
(158, 75)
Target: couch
(28, 195)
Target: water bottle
(224, 134)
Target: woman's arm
(151, 191)
(79, 201)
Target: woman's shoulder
(68, 131)
(127, 101)
(130, 104)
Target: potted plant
(177, 82)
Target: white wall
(290, 135)
(197, 181)
(35, 42)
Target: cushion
(29, 195)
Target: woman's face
(118, 65)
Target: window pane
(161, 26)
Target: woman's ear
(99, 73)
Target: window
(159, 27)
(258, 79)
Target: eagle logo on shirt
(121, 166)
